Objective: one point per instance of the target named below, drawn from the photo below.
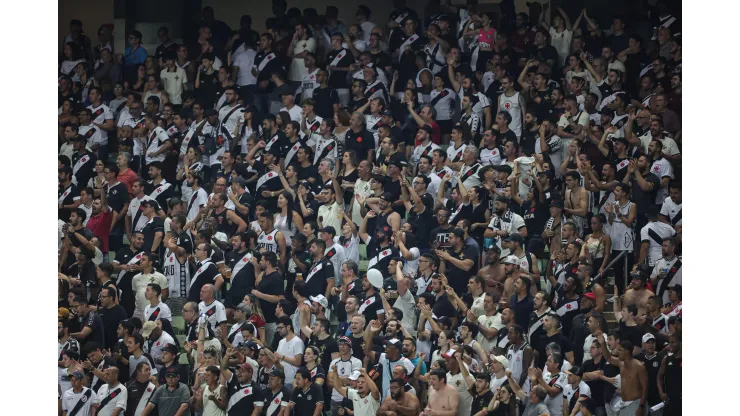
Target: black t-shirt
(310, 171)
(306, 401)
(324, 99)
(652, 365)
(543, 54)
(560, 339)
(317, 276)
(481, 402)
(326, 348)
(355, 103)
(424, 222)
(155, 225)
(358, 346)
(631, 333)
(338, 79)
(361, 142)
(458, 278)
(110, 319)
(596, 386)
(92, 320)
(208, 88)
(370, 307)
(440, 236)
(272, 284)
(644, 199)
(502, 138)
(443, 307)
(118, 197)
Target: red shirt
(127, 178)
(100, 226)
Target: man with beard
(459, 261)
(419, 205)
(638, 293)
(399, 401)
(567, 297)
(388, 359)
(536, 329)
(269, 290)
(126, 263)
(365, 399)
(380, 246)
(372, 307)
(504, 223)
(320, 277)
(206, 272)
(493, 273)
(439, 238)
(243, 274)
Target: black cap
(171, 348)
(515, 237)
(171, 371)
(329, 229)
(387, 196)
(388, 113)
(276, 372)
(380, 178)
(174, 201)
(622, 140)
(211, 112)
(399, 162)
(558, 203)
(575, 371)
(151, 203)
(546, 173)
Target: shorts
(445, 126)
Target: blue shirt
(415, 361)
(522, 309)
(137, 57)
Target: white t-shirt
(561, 43)
(489, 322)
(555, 404)
(245, 62)
(174, 83)
(297, 69)
(388, 367)
(331, 215)
(466, 400)
(139, 284)
(295, 113)
(587, 346)
(344, 368)
(363, 406)
(291, 349)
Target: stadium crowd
(444, 213)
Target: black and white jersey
(138, 219)
(671, 210)
(155, 139)
(177, 274)
(242, 398)
(377, 90)
(654, 233)
(268, 242)
(161, 192)
(78, 404)
(308, 84)
(231, 117)
(93, 135)
(215, 313)
(443, 102)
(83, 167)
(274, 402)
(161, 311)
(100, 115)
(198, 199)
(340, 59)
(68, 195)
(205, 273)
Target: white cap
(511, 260)
(503, 360)
(647, 337)
(355, 375)
(321, 300)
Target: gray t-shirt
(535, 409)
(169, 401)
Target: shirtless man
(576, 201)
(444, 401)
(638, 294)
(511, 266)
(494, 273)
(399, 402)
(634, 377)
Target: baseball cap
(502, 359)
(78, 375)
(400, 162)
(648, 337)
(450, 353)
(557, 203)
(329, 229)
(344, 340)
(171, 348)
(589, 295)
(394, 342)
(150, 203)
(147, 328)
(514, 237)
(387, 196)
(241, 181)
(171, 371)
(355, 375)
(276, 372)
(575, 371)
(494, 247)
(253, 346)
(174, 201)
(639, 275)
(245, 367)
(211, 112)
(321, 300)
(511, 260)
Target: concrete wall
(92, 13)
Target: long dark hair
(289, 205)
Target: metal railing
(614, 261)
